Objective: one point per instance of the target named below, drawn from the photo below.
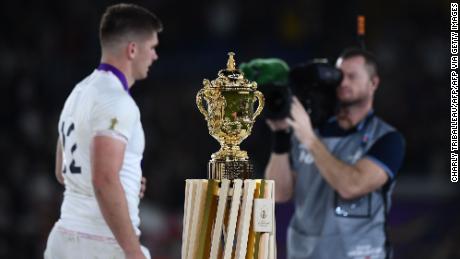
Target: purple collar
(116, 72)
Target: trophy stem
(223, 169)
(230, 162)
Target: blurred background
(46, 47)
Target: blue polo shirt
(387, 151)
(325, 225)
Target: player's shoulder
(116, 102)
(109, 91)
(105, 81)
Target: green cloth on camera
(266, 71)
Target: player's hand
(301, 123)
(277, 125)
(143, 187)
(135, 255)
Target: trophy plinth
(230, 115)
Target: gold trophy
(230, 115)
(229, 215)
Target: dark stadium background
(48, 46)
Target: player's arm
(279, 168)
(350, 181)
(58, 166)
(107, 155)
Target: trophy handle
(199, 103)
(260, 99)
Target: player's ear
(131, 49)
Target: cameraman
(341, 175)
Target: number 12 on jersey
(66, 136)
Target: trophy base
(219, 169)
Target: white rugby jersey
(99, 103)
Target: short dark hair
(369, 59)
(122, 19)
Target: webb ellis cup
(230, 115)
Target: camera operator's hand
(278, 125)
(301, 123)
